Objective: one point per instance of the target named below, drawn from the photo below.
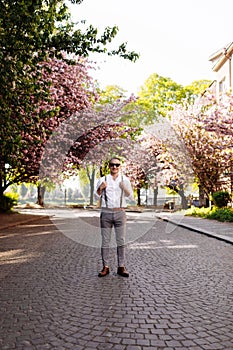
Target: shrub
(221, 214)
(200, 212)
(221, 198)
(8, 201)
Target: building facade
(223, 67)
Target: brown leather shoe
(104, 272)
(122, 271)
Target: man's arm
(125, 185)
(125, 189)
(100, 189)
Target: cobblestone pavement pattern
(178, 296)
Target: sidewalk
(212, 228)
(219, 230)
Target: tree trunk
(138, 196)
(1, 186)
(155, 200)
(3, 180)
(184, 202)
(201, 197)
(92, 184)
(231, 178)
(40, 195)
(180, 191)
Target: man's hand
(101, 188)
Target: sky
(174, 38)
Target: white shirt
(113, 191)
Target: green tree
(159, 94)
(111, 94)
(132, 112)
(197, 88)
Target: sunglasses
(114, 164)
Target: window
(222, 85)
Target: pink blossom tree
(70, 91)
(205, 129)
(83, 136)
(40, 30)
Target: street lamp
(173, 184)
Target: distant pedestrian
(113, 190)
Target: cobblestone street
(179, 294)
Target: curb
(198, 230)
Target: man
(113, 190)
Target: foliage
(69, 92)
(159, 94)
(199, 212)
(111, 94)
(8, 201)
(89, 136)
(157, 98)
(34, 35)
(209, 151)
(172, 163)
(219, 117)
(221, 198)
(43, 26)
(197, 88)
(220, 214)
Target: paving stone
(178, 296)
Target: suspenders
(121, 193)
(105, 194)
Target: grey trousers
(108, 220)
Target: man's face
(114, 166)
